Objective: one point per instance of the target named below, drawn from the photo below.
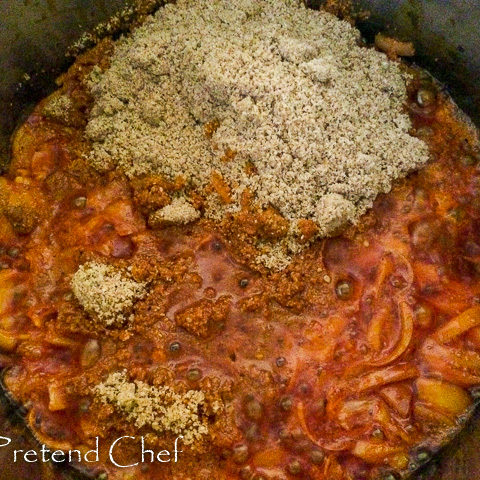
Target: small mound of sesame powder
(177, 212)
(106, 293)
(290, 91)
(159, 408)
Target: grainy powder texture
(107, 294)
(292, 91)
(160, 408)
(59, 107)
(177, 212)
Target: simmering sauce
(357, 361)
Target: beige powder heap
(106, 293)
(159, 408)
(320, 117)
(177, 212)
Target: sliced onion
(457, 376)
(384, 270)
(333, 446)
(398, 397)
(457, 357)
(375, 453)
(303, 422)
(379, 378)
(357, 412)
(440, 361)
(452, 298)
(386, 376)
(375, 329)
(406, 319)
(422, 412)
(459, 325)
(408, 267)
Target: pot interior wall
(34, 36)
(446, 36)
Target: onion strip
(375, 328)
(458, 325)
(374, 453)
(426, 413)
(338, 447)
(383, 377)
(303, 422)
(451, 364)
(406, 319)
(384, 270)
(459, 358)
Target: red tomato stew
(357, 361)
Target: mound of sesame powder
(107, 294)
(291, 92)
(161, 408)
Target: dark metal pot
(35, 34)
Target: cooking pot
(35, 34)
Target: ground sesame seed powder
(290, 90)
(107, 294)
(160, 408)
